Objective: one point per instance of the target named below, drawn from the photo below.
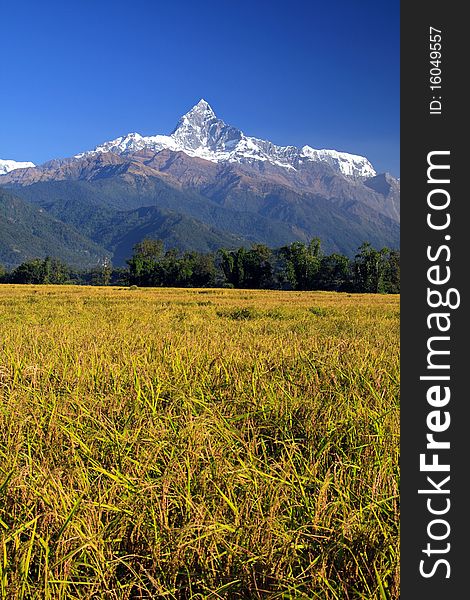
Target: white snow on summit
(202, 134)
(10, 165)
(348, 164)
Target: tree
(232, 265)
(28, 272)
(101, 275)
(369, 269)
(145, 262)
(203, 270)
(333, 273)
(176, 270)
(54, 271)
(302, 263)
(226, 260)
(106, 271)
(49, 270)
(257, 267)
(392, 272)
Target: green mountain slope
(28, 231)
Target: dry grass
(177, 444)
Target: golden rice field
(198, 444)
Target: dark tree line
(297, 266)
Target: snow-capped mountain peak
(10, 165)
(202, 111)
(348, 164)
(200, 133)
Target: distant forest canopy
(297, 266)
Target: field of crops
(198, 444)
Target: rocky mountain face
(216, 186)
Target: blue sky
(75, 74)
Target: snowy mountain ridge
(200, 133)
(10, 165)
